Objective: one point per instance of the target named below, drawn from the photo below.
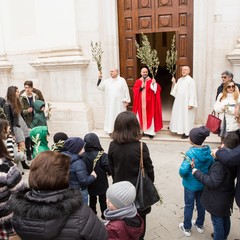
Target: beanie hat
(74, 145)
(121, 194)
(198, 135)
(60, 136)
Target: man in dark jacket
(226, 76)
(218, 193)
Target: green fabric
(42, 132)
(39, 118)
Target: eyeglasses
(230, 86)
(224, 76)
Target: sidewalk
(162, 222)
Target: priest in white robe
(117, 97)
(184, 91)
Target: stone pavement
(162, 222)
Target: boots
(24, 165)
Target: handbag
(213, 123)
(223, 130)
(146, 192)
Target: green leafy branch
(171, 58)
(186, 157)
(147, 56)
(97, 54)
(37, 141)
(57, 146)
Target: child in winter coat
(218, 193)
(39, 118)
(79, 177)
(96, 159)
(39, 138)
(121, 213)
(59, 139)
(199, 156)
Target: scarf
(126, 212)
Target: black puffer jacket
(58, 215)
(218, 193)
(92, 148)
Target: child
(200, 156)
(95, 159)
(79, 177)
(39, 118)
(218, 193)
(39, 138)
(124, 221)
(59, 139)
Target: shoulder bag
(146, 192)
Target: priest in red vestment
(147, 103)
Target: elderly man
(184, 91)
(226, 76)
(116, 96)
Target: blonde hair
(225, 92)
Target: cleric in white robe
(184, 91)
(117, 97)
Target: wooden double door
(159, 20)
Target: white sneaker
(187, 232)
(200, 229)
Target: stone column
(5, 71)
(234, 58)
(62, 75)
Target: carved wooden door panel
(152, 16)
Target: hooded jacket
(39, 118)
(202, 160)
(79, 177)
(39, 137)
(92, 149)
(127, 228)
(55, 215)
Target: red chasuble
(148, 105)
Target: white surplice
(116, 93)
(182, 119)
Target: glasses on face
(230, 86)
(224, 77)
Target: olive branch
(37, 141)
(97, 54)
(147, 55)
(171, 58)
(58, 145)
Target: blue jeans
(221, 227)
(189, 198)
(85, 196)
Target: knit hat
(121, 194)
(198, 135)
(60, 136)
(74, 145)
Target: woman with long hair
(124, 153)
(225, 107)
(13, 110)
(10, 182)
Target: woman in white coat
(225, 105)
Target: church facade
(49, 43)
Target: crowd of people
(68, 178)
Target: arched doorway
(159, 20)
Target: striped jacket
(10, 182)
